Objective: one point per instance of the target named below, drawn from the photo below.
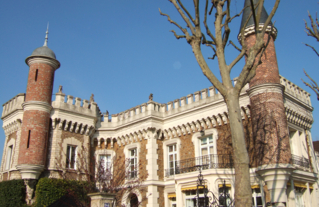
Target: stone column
(152, 167)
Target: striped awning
(171, 195)
(301, 185)
(193, 188)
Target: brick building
(171, 141)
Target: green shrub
(49, 190)
(12, 193)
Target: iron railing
(300, 161)
(204, 162)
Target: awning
(301, 185)
(227, 185)
(193, 188)
(171, 195)
(255, 186)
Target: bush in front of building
(50, 190)
(12, 193)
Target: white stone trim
(128, 147)
(46, 60)
(208, 132)
(251, 29)
(265, 88)
(37, 105)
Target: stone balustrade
(13, 104)
(295, 91)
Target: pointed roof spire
(247, 12)
(46, 36)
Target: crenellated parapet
(74, 115)
(207, 96)
(12, 105)
(295, 91)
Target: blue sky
(121, 51)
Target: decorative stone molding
(12, 127)
(37, 105)
(42, 59)
(30, 171)
(297, 117)
(251, 30)
(265, 88)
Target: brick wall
(37, 122)
(41, 89)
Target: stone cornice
(43, 59)
(265, 88)
(251, 30)
(37, 105)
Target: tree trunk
(242, 176)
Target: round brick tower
(266, 98)
(269, 121)
(37, 108)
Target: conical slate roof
(247, 12)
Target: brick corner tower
(269, 121)
(36, 116)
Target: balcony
(203, 162)
(219, 161)
(300, 161)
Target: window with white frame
(105, 162)
(133, 163)
(207, 146)
(172, 159)
(71, 157)
(257, 197)
(191, 198)
(8, 158)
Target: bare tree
(312, 31)
(197, 34)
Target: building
(171, 141)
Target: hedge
(49, 190)
(12, 193)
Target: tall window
(105, 161)
(8, 159)
(257, 200)
(133, 163)
(71, 157)
(172, 159)
(206, 151)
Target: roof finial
(46, 36)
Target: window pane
(211, 150)
(204, 141)
(210, 139)
(204, 151)
(171, 157)
(170, 148)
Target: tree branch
(313, 85)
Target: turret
(269, 122)
(37, 107)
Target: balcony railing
(300, 161)
(203, 162)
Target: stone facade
(165, 145)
